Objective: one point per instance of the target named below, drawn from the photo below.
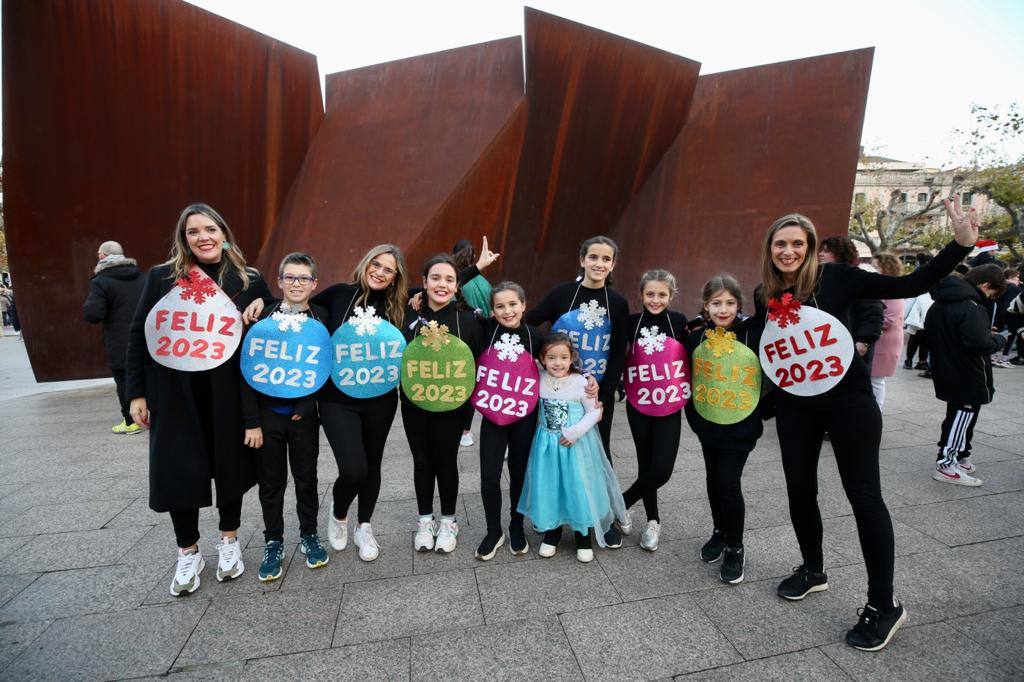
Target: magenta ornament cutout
(507, 382)
(657, 374)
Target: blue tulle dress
(573, 485)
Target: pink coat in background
(889, 346)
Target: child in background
(568, 478)
(656, 438)
(961, 342)
(288, 433)
(725, 446)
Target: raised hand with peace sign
(965, 225)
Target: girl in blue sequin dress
(568, 478)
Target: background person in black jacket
(866, 314)
(962, 341)
(113, 295)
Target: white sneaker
(367, 544)
(967, 466)
(426, 531)
(626, 524)
(447, 536)
(466, 440)
(651, 535)
(956, 476)
(584, 555)
(337, 531)
(547, 550)
(186, 575)
(229, 561)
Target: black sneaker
(517, 543)
(921, 365)
(713, 548)
(489, 546)
(732, 565)
(1017, 361)
(908, 365)
(875, 629)
(927, 374)
(613, 538)
(802, 583)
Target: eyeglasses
(304, 280)
(377, 265)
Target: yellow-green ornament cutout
(438, 369)
(726, 378)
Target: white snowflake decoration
(650, 340)
(509, 347)
(289, 321)
(365, 320)
(592, 315)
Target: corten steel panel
(396, 142)
(759, 143)
(481, 204)
(118, 114)
(602, 112)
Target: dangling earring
(226, 246)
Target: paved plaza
(85, 567)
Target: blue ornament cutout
(287, 355)
(590, 329)
(367, 355)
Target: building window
(903, 197)
(966, 197)
(922, 197)
(859, 197)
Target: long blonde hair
(181, 258)
(772, 281)
(397, 294)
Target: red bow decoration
(784, 311)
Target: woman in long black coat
(198, 429)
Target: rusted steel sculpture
(118, 114)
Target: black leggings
(357, 432)
(725, 494)
(122, 397)
(434, 441)
(517, 437)
(854, 424)
(186, 522)
(918, 343)
(657, 442)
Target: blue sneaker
(316, 555)
(273, 555)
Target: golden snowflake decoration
(719, 341)
(435, 335)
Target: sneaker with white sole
(875, 629)
(367, 544)
(651, 535)
(229, 559)
(547, 551)
(967, 466)
(186, 575)
(626, 524)
(489, 546)
(426, 533)
(956, 476)
(466, 440)
(447, 536)
(337, 531)
(316, 555)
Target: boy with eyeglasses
(288, 432)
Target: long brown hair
(723, 281)
(181, 258)
(397, 294)
(772, 281)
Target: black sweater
(741, 436)
(838, 286)
(559, 300)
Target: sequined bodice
(556, 414)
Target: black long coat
(182, 458)
(113, 296)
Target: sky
(932, 59)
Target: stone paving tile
(970, 520)
(62, 551)
(999, 632)
(109, 645)
(926, 652)
(59, 518)
(12, 585)
(664, 637)
(810, 665)
(346, 567)
(546, 586)
(79, 592)
(516, 650)
(15, 637)
(33, 471)
(388, 660)
(262, 625)
(137, 513)
(400, 607)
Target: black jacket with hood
(113, 295)
(960, 341)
